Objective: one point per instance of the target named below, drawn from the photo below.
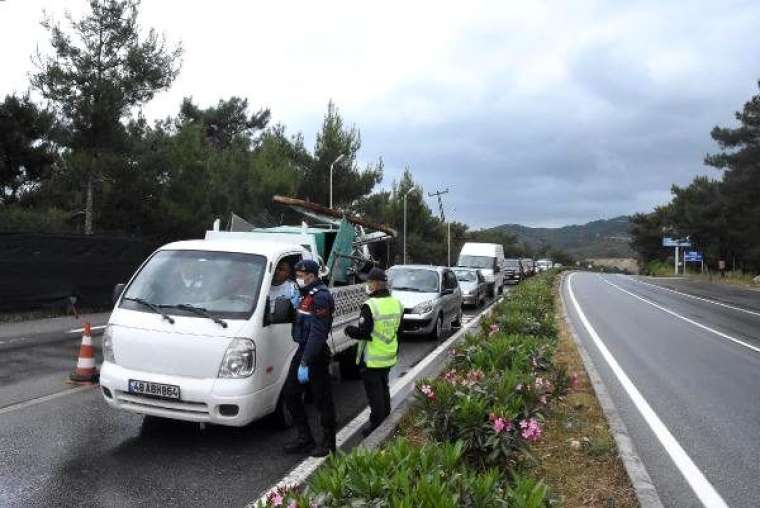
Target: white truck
(194, 336)
(489, 258)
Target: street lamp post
(448, 250)
(340, 158)
(405, 196)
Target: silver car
(431, 297)
(474, 286)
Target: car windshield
(476, 261)
(413, 279)
(466, 275)
(512, 263)
(223, 284)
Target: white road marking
(46, 398)
(702, 488)
(690, 321)
(80, 330)
(714, 302)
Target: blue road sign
(675, 242)
(692, 256)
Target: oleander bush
(473, 425)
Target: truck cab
(194, 335)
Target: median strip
(483, 433)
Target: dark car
(513, 271)
(474, 286)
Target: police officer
(379, 327)
(311, 362)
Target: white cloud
(571, 99)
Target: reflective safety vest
(382, 350)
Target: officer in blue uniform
(311, 362)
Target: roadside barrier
(85, 371)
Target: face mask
(301, 283)
(368, 289)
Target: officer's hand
(303, 374)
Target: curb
(350, 435)
(642, 483)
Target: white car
(193, 335)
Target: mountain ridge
(603, 238)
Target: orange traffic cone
(86, 372)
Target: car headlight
(423, 308)
(239, 359)
(108, 345)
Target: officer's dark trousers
(378, 394)
(321, 391)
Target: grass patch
(577, 457)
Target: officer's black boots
(302, 444)
(326, 445)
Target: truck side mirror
(118, 289)
(282, 313)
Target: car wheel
(458, 322)
(282, 416)
(437, 332)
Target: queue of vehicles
(194, 335)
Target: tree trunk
(88, 207)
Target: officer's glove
(352, 331)
(303, 374)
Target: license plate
(154, 389)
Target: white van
(193, 335)
(489, 258)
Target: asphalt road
(69, 448)
(693, 358)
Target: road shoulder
(634, 466)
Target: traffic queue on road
(230, 329)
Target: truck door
(276, 339)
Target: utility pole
(405, 196)
(440, 201)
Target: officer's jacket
(313, 322)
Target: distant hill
(607, 238)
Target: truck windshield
(223, 284)
(512, 263)
(466, 275)
(477, 261)
(413, 279)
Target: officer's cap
(308, 265)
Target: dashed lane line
(708, 300)
(679, 316)
(701, 486)
(45, 398)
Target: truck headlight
(239, 359)
(108, 345)
(423, 308)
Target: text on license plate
(154, 389)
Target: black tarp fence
(44, 271)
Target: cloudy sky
(543, 113)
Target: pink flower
(451, 376)
(531, 430)
(501, 425)
(427, 390)
(494, 329)
(475, 376)
(277, 499)
(574, 380)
